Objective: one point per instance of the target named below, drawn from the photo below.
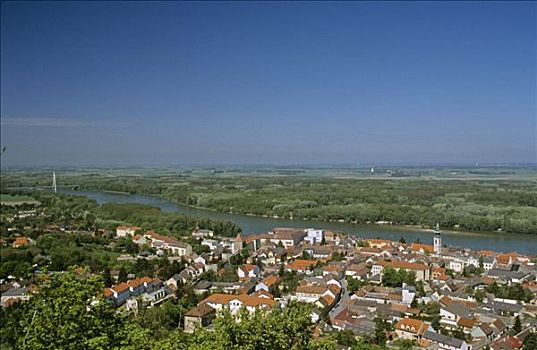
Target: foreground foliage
(68, 312)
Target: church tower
(437, 240)
(236, 245)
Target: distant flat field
(13, 200)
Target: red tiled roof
(247, 300)
(21, 241)
(133, 228)
(403, 265)
(412, 326)
(416, 247)
(299, 264)
(248, 267)
(271, 280)
(466, 322)
(262, 294)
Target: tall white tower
(54, 187)
(437, 240)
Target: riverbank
(498, 241)
(388, 225)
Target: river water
(503, 242)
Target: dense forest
(465, 204)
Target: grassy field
(15, 199)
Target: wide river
(504, 242)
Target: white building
(200, 233)
(124, 231)
(314, 236)
(211, 243)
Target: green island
(466, 199)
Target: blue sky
(167, 83)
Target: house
(248, 271)
(466, 324)
(410, 328)
(211, 243)
(301, 266)
(21, 242)
(366, 251)
(507, 343)
(356, 321)
(407, 294)
(200, 233)
(14, 295)
(314, 236)
(507, 259)
(422, 248)
(325, 302)
(203, 259)
(262, 294)
(311, 293)
(202, 287)
(118, 294)
(445, 342)
(422, 271)
(489, 262)
(139, 239)
(483, 331)
(500, 308)
(437, 273)
(318, 252)
(288, 237)
(198, 317)
(268, 283)
(356, 271)
(175, 281)
(456, 265)
(170, 244)
(124, 231)
(188, 274)
(235, 302)
(378, 243)
(473, 260)
(271, 255)
(452, 313)
(508, 276)
(331, 236)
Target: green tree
(122, 275)
(353, 284)
(290, 328)
(107, 277)
(69, 312)
(346, 338)
(436, 323)
(517, 327)
(381, 327)
(530, 343)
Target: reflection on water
(506, 242)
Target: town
(403, 294)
